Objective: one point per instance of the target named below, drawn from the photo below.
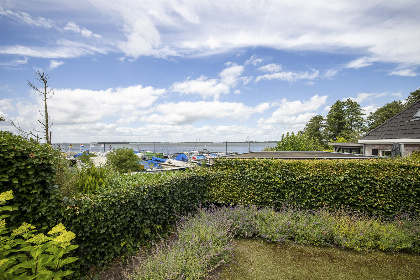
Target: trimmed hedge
(376, 187)
(114, 221)
(27, 168)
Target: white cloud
(378, 31)
(388, 36)
(254, 60)
(73, 27)
(205, 87)
(289, 76)
(298, 119)
(63, 49)
(14, 63)
(262, 107)
(360, 62)
(87, 106)
(272, 67)
(230, 75)
(54, 64)
(368, 109)
(189, 112)
(331, 73)
(295, 112)
(360, 97)
(5, 107)
(27, 19)
(397, 94)
(364, 96)
(211, 88)
(404, 73)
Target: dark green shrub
(27, 168)
(116, 219)
(376, 187)
(124, 160)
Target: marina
(158, 156)
(168, 148)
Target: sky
(179, 71)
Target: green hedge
(27, 168)
(114, 221)
(376, 186)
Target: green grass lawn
(254, 259)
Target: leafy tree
(354, 121)
(297, 142)
(383, 113)
(124, 160)
(46, 94)
(345, 120)
(315, 129)
(413, 97)
(335, 120)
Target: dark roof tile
(401, 126)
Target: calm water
(172, 148)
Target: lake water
(173, 148)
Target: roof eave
(390, 141)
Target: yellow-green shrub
(26, 254)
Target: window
(386, 153)
(375, 152)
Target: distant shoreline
(134, 143)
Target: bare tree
(46, 93)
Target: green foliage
(202, 244)
(297, 142)
(128, 212)
(315, 129)
(85, 158)
(377, 186)
(203, 241)
(25, 254)
(413, 97)
(28, 169)
(124, 160)
(92, 178)
(382, 114)
(345, 120)
(66, 177)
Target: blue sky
(210, 70)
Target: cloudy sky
(175, 70)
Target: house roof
(404, 125)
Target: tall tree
(383, 113)
(335, 120)
(46, 93)
(354, 121)
(413, 97)
(345, 120)
(315, 129)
